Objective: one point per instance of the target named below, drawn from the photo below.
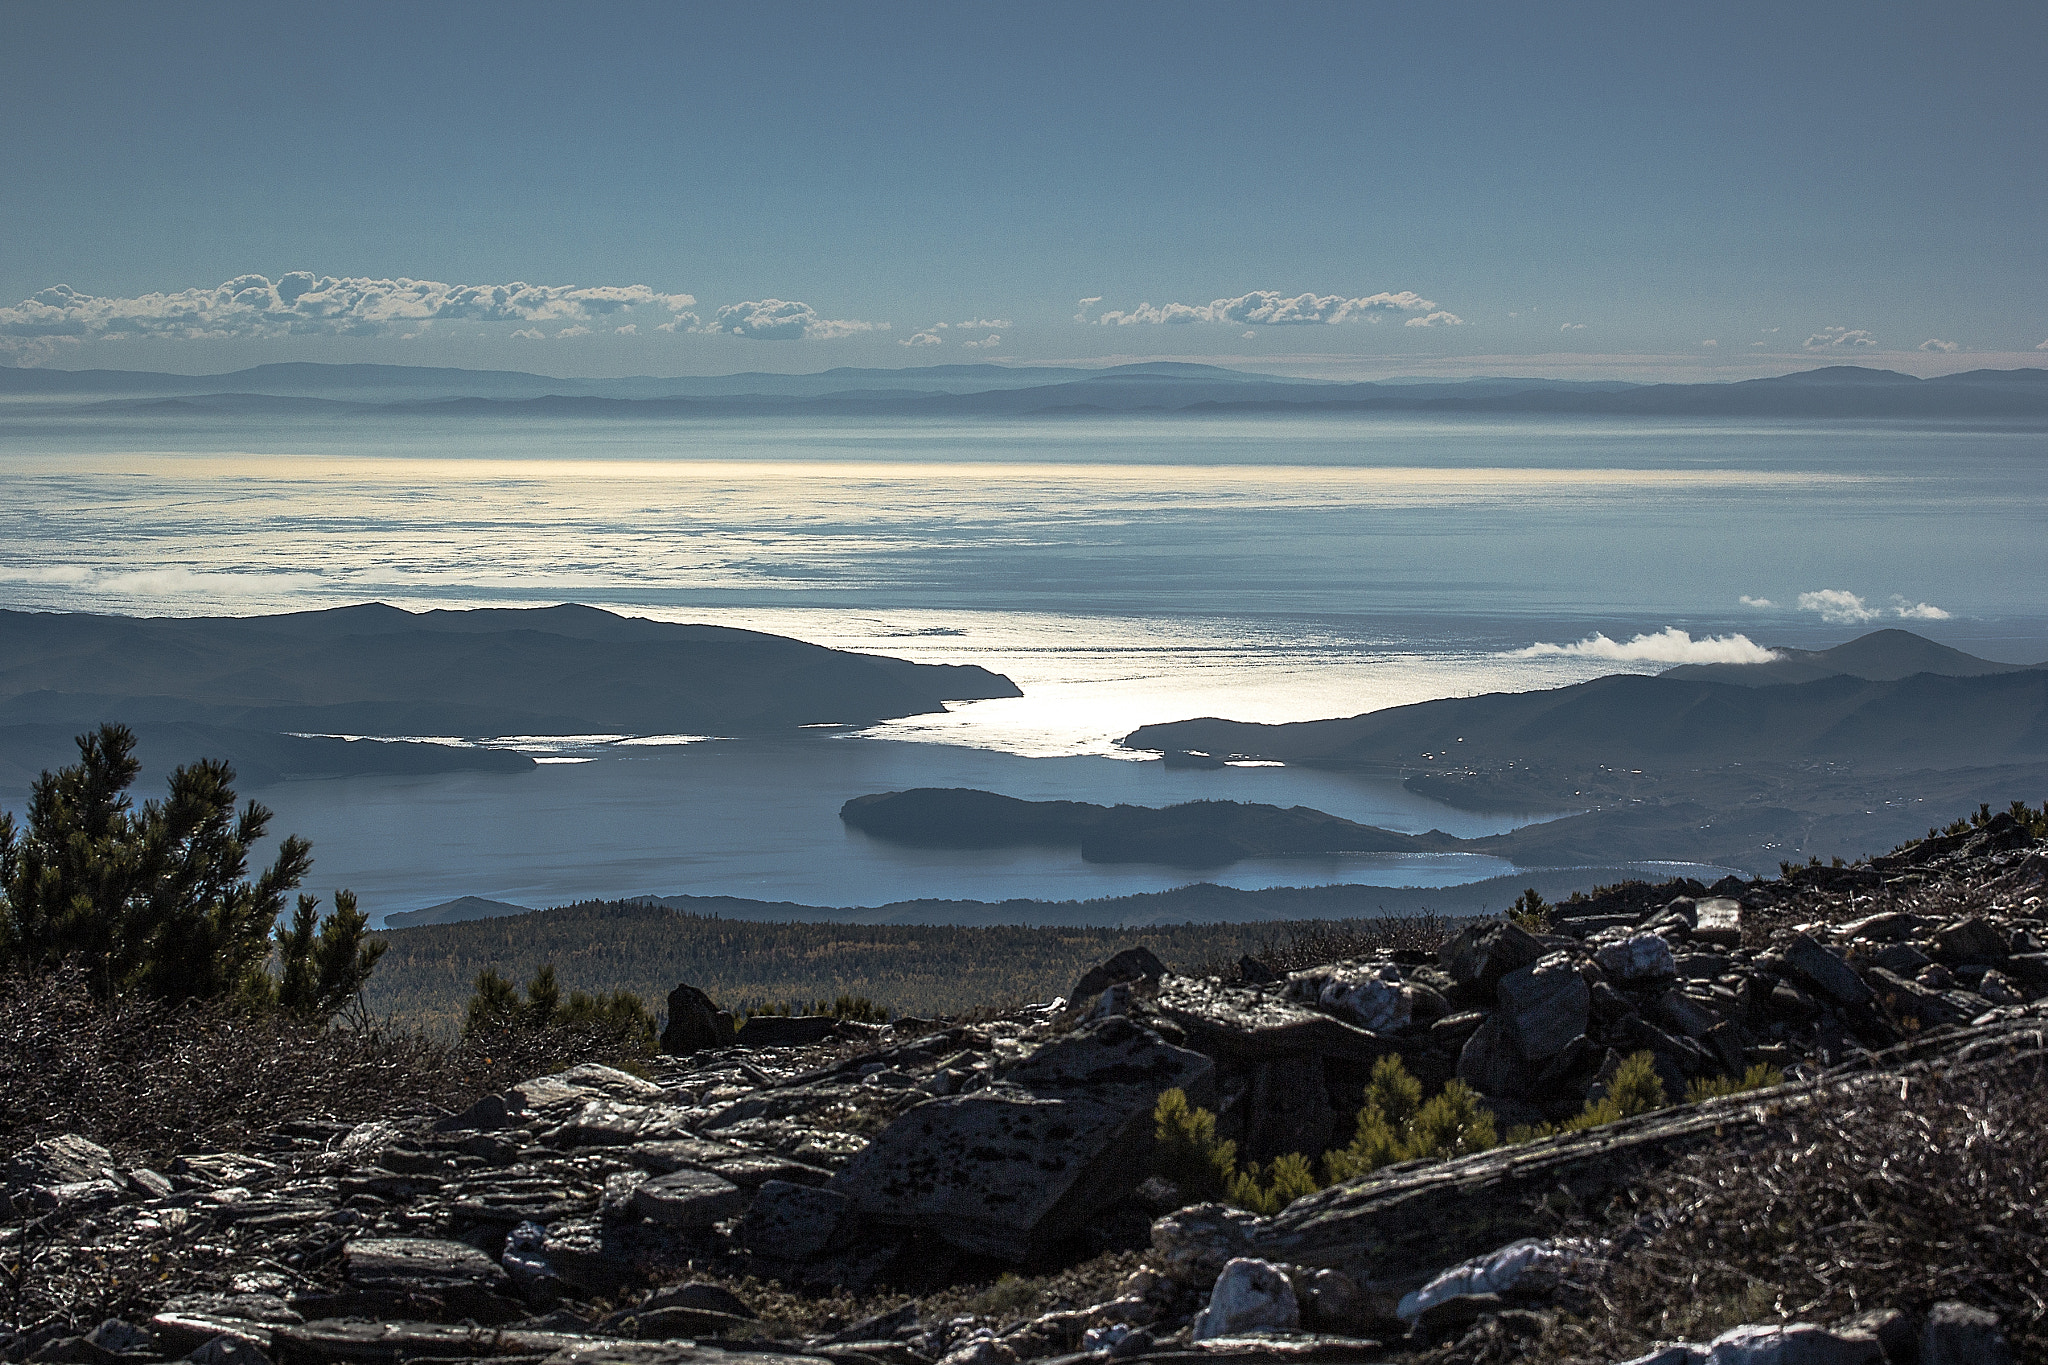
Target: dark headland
(252, 688)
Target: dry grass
(148, 1079)
(1899, 1195)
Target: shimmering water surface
(1121, 570)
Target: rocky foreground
(981, 1192)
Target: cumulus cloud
(578, 331)
(304, 303)
(631, 329)
(1573, 327)
(1761, 603)
(984, 325)
(1436, 319)
(1937, 344)
(785, 320)
(1083, 305)
(1843, 608)
(1838, 606)
(989, 342)
(531, 334)
(2041, 346)
(1832, 337)
(1710, 342)
(1668, 646)
(926, 338)
(1268, 308)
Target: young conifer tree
(158, 900)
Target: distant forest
(426, 975)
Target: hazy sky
(1631, 189)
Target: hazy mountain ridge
(997, 390)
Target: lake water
(1122, 570)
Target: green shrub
(157, 901)
(1186, 1150)
(1267, 1190)
(1394, 1125)
(1762, 1076)
(1531, 912)
(1635, 1089)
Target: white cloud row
(1840, 607)
(1668, 646)
(302, 303)
(929, 336)
(1269, 308)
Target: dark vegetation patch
(427, 975)
(146, 1077)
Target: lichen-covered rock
(1639, 957)
(1250, 1296)
(1196, 1242)
(1368, 994)
(1245, 1025)
(1007, 1170)
(795, 1222)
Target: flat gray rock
(687, 1199)
(1245, 1025)
(420, 1263)
(1009, 1170)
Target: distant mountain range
(1880, 656)
(999, 390)
(1864, 707)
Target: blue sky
(1341, 190)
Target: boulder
(1823, 969)
(1132, 964)
(1970, 940)
(1197, 1241)
(1718, 920)
(1007, 1170)
(1792, 1343)
(67, 1159)
(1249, 1296)
(1492, 1064)
(693, 1023)
(1957, 1334)
(420, 1263)
(1367, 994)
(1545, 1006)
(1531, 1266)
(1244, 1025)
(1482, 954)
(687, 1199)
(795, 1222)
(1639, 957)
